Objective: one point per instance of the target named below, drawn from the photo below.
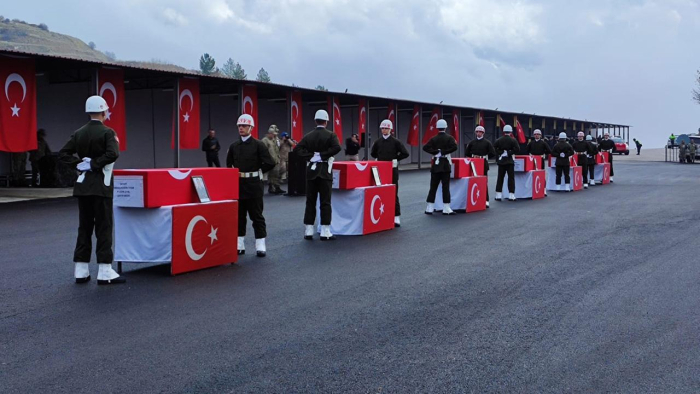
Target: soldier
(286, 145)
(483, 149)
(440, 146)
(681, 152)
(318, 149)
(691, 151)
(505, 148)
(592, 152)
(388, 148)
(583, 150)
(608, 145)
(38, 159)
(563, 151)
(211, 147)
(272, 143)
(252, 159)
(97, 147)
(539, 147)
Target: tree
(229, 68)
(696, 92)
(239, 73)
(111, 55)
(92, 45)
(321, 88)
(43, 26)
(207, 64)
(263, 76)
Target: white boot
(511, 196)
(611, 180)
(568, 187)
(585, 186)
(106, 275)
(397, 221)
(241, 245)
(260, 249)
(446, 210)
(326, 233)
(592, 182)
(499, 196)
(487, 204)
(430, 208)
(82, 272)
(309, 231)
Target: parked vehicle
(621, 146)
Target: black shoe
(260, 253)
(280, 191)
(82, 280)
(397, 225)
(240, 252)
(331, 238)
(271, 191)
(428, 213)
(309, 237)
(115, 281)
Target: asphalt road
(593, 291)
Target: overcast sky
(618, 61)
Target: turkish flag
(538, 184)
(362, 121)
(188, 113)
(431, 128)
(17, 105)
(334, 105)
(520, 133)
(249, 106)
(379, 209)
(110, 85)
(297, 118)
(204, 235)
(577, 178)
(415, 123)
(480, 119)
(476, 193)
(391, 113)
(455, 124)
(501, 122)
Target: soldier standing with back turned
(440, 146)
(506, 147)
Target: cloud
(174, 18)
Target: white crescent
(179, 175)
(187, 93)
(110, 87)
(188, 238)
(537, 184)
(247, 100)
(391, 113)
(431, 118)
(362, 111)
(14, 77)
(294, 105)
(335, 106)
(606, 174)
(371, 209)
(361, 167)
(471, 193)
(416, 114)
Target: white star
(431, 128)
(337, 121)
(294, 123)
(478, 193)
(186, 116)
(381, 208)
(212, 234)
(415, 127)
(363, 126)
(109, 114)
(15, 110)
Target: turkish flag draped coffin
(204, 235)
(337, 122)
(17, 105)
(524, 163)
(601, 173)
(573, 161)
(354, 174)
(415, 124)
(188, 113)
(602, 157)
(529, 184)
(297, 118)
(377, 205)
(170, 186)
(462, 167)
(249, 106)
(431, 128)
(575, 174)
(110, 85)
(466, 194)
(362, 121)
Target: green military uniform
(692, 150)
(273, 177)
(94, 188)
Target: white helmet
(507, 129)
(441, 124)
(95, 104)
(480, 128)
(537, 131)
(246, 120)
(606, 134)
(321, 114)
(589, 138)
(580, 134)
(562, 136)
(386, 124)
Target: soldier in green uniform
(506, 147)
(483, 149)
(252, 159)
(440, 146)
(691, 150)
(389, 148)
(97, 147)
(318, 148)
(272, 143)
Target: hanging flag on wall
(297, 117)
(431, 127)
(17, 105)
(188, 113)
(110, 85)
(249, 106)
(456, 116)
(520, 133)
(362, 121)
(415, 123)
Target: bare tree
(696, 91)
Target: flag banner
(18, 105)
(249, 106)
(110, 85)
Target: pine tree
(696, 92)
(239, 72)
(263, 76)
(207, 64)
(322, 88)
(229, 68)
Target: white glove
(316, 158)
(562, 154)
(439, 154)
(84, 165)
(504, 154)
(394, 163)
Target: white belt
(480, 157)
(255, 174)
(448, 157)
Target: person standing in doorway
(211, 147)
(352, 148)
(273, 147)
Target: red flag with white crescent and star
(379, 208)
(188, 113)
(362, 104)
(480, 119)
(110, 85)
(297, 118)
(336, 121)
(455, 124)
(250, 106)
(520, 133)
(431, 128)
(391, 114)
(17, 105)
(415, 123)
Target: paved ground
(581, 292)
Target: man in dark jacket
(352, 148)
(318, 148)
(97, 147)
(583, 151)
(252, 159)
(211, 147)
(506, 147)
(389, 148)
(592, 153)
(608, 145)
(440, 146)
(563, 151)
(483, 149)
